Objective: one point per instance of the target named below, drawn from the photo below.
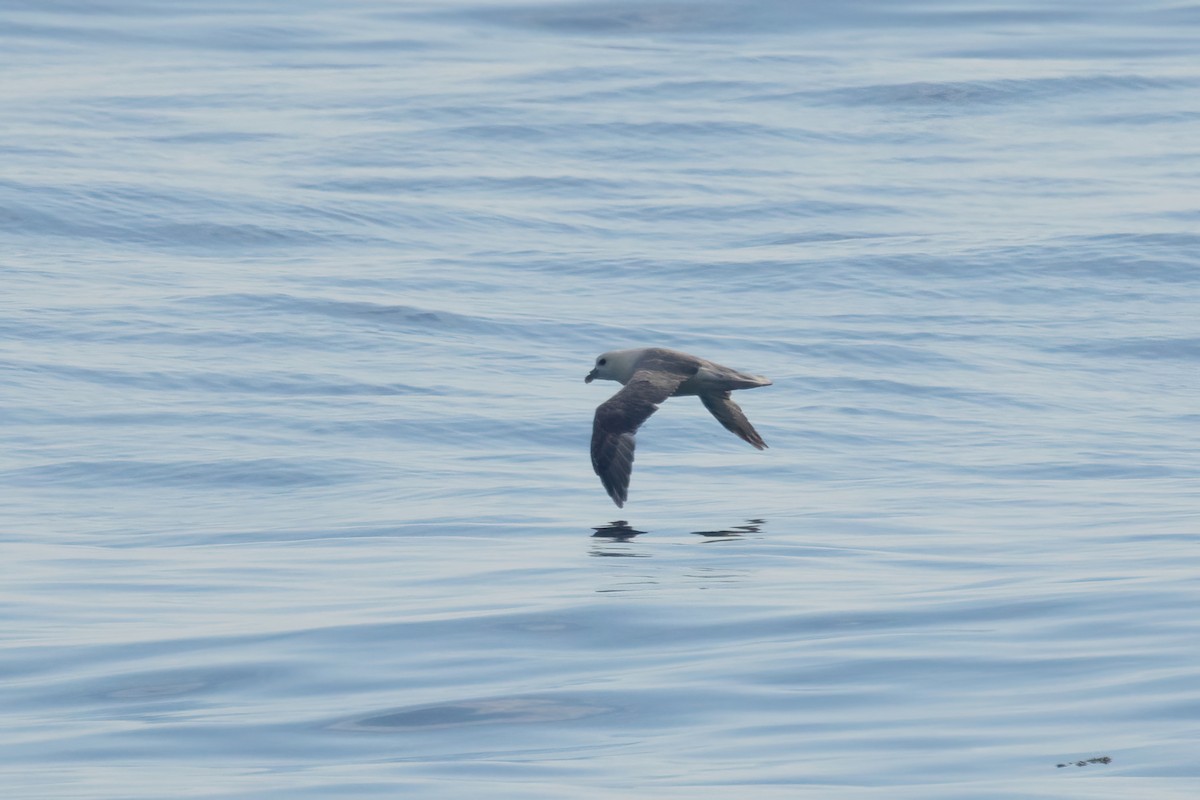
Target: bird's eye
(602, 361)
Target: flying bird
(650, 375)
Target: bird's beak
(591, 376)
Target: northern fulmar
(650, 375)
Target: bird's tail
(745, 381)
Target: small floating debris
(1086, 762)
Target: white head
(615, 365)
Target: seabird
(650, 375)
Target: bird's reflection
(611, 541)
(736, 532)
(671, 564)
(621, 531)
(618, 530)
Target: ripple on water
(470, 713)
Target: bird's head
(615, 365)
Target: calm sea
(296, 301)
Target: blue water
(297, 303)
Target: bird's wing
(619, 417)
(730, 415)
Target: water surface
(297, 304)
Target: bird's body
(650, 375)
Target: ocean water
(297, 300)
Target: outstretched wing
(619, 417)
(730, 415)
